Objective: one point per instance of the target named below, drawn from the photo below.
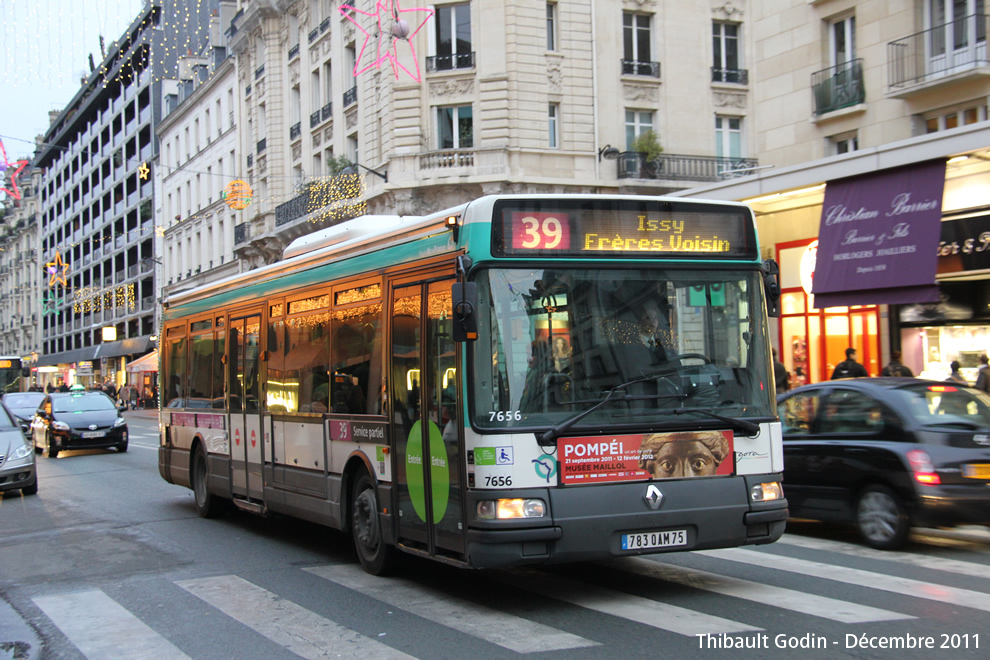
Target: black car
(78, 420)
(23, 405)
(886, 454)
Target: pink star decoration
(391, 29)
(19, 165)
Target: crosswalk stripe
(508, 631)
(101, 628)
(627, 606)
(855, 576)
(299, 630)
(765, 594)
(920, 561)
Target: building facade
(852, 94)
(96, 229)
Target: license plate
(976, 470)
(94, 434)
(648, 540)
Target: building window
(636, 50)
(453, 38)
(553, 126)
(843, 144)
(725, 45)
(728, 137)
(551, 26)
(943, 120)
(637, 121)
(455, 127)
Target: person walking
(955, 376)
(983, 376)
(849, 368)
(781, 376)
(895, 369)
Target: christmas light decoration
(96, 299)
(53, 268)
(330, 197)
(390, 30)
(50, 303)
(143, 171)
(237, 195)
(18, 166)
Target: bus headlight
(767, 492)
(511, 509)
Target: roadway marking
(299, 630)
(101, 628)
(764, 594)
(919, 561)
(508, 631)
(649, 612)
(857, 577)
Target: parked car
(23, 405)
(886, 454)
(17, 461)
(78, 420)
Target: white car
(17, 460)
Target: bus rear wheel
(207, 504)
(377, 557)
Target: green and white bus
(517, 380)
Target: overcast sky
(45, 45)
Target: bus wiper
(550, 437)
(747, 427)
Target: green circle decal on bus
(439, 472)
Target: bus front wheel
(207, 504)
(377, 557)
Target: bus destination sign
(620, 232)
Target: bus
(11, 373)
(516, 380)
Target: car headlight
(120, 421)
(508, 509)
(60, 426)
(22, 452)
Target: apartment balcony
(635, 68)
(242, 233)
(677, 167)
(313, 34)
(294, 52)
(450, 62)
(837, 87)
(944, 53)
(731, 76)
(350, 96)
(293, 209)
(262, 145)
(295, 130)
(260, 71)
(314, 119)
(327, 111)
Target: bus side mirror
(771, 285)
(464, 296)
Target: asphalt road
(109, 561)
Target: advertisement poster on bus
(604, 459)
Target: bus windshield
(553, 343)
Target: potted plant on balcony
(647, 145)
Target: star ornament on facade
(144, 171)
(57, 270)
(5, 165)
(391, 29)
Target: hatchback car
(17, 463)
(886, 454)
(23, 405)
(78, 420)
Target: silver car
(17, 461)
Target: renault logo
(654, 498)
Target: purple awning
(878, 239)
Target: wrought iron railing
(295, 130)
(450, 62)
(939, 51)
(634, 68)
(262, 144)
(350, 96)
(677, 167)
(313, 34)
(291, 210)
(294, 52)
(242, 233)
(737, 76)
(327, 110)
(260, 71)
(838, 86)
(314, 119)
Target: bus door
(425, 425)
(244, 388)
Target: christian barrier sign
(877, 239)
(603, 459)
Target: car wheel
(208, 505)
(50, 449)
(32, 489)
(377, 557)
(882, 520)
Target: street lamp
(351, 170)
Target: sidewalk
(18, 640)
